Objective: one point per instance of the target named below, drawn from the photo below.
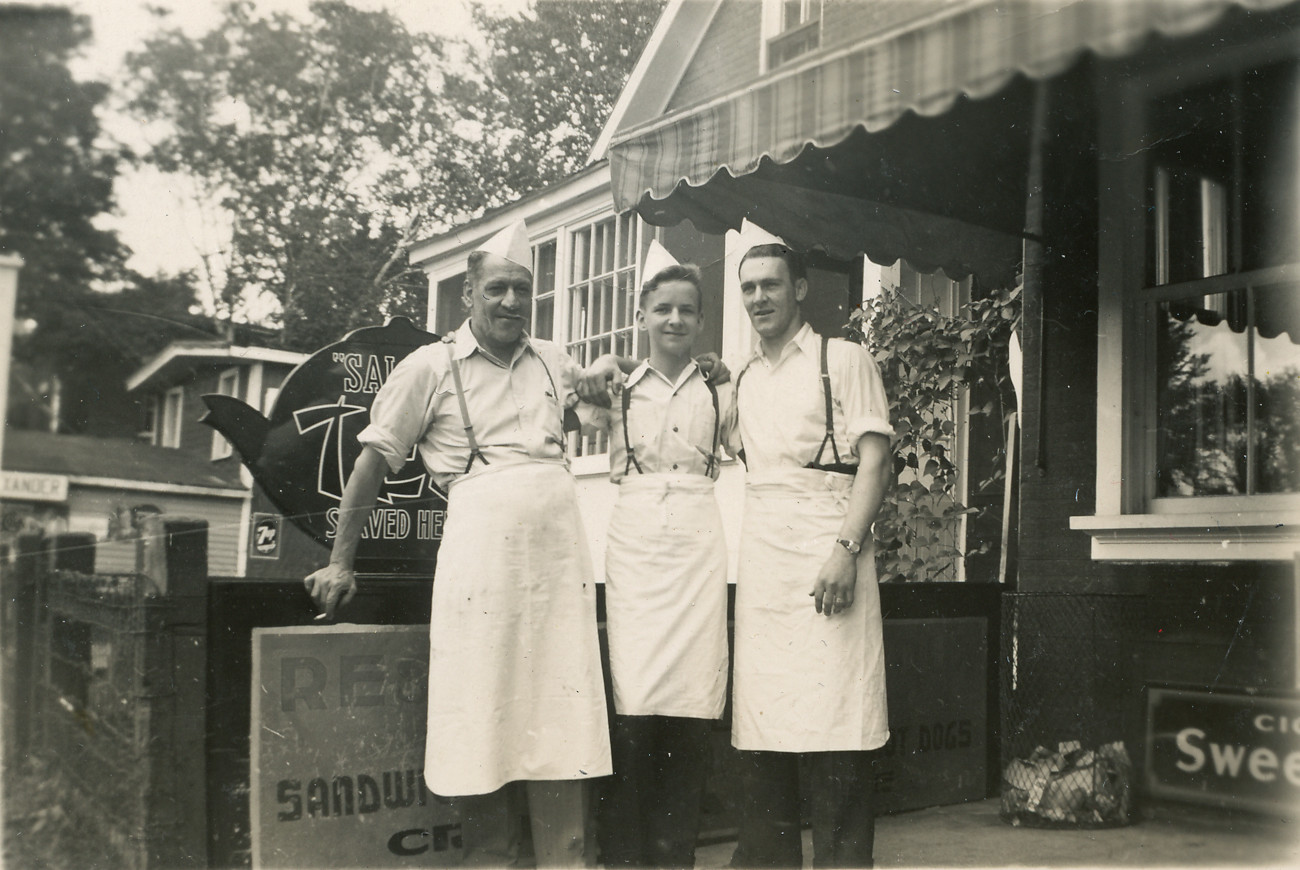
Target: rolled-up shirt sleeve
(864, 407)
(404, 407)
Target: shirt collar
(465, 344)
(640, 372)
(805, 339)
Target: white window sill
(595, 465)
(1223, 536)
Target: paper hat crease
(657, 259)
(511, 244)
(752, 235)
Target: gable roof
(93, 461)
(667, 53)
(181, 357)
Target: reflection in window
(1228, 393)
(1223, 231)
(1225, 176)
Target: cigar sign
(302, 455)
(1230, 750)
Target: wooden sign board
(1222, 748)
(938, 713)
(337, 748)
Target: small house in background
(107, 486)
(175, 466)
(172, 384)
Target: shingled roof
(104, 460)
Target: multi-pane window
(1223, 285)
(601, 296)
(227, 385)
(797, 30)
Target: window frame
(567, 283)
(221, 448)
(170, 426)
(775, 35)
(1130, 522)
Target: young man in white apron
(665, 579)
(515, 687)
(809, 669)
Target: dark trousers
(649, 812)
(843, 816)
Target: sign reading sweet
(1222, 748)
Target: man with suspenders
(809, 670)
(665, 578)
(515, 686)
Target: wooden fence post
(21, 682)
(174, 558)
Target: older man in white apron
(809, 670)
(515, 687)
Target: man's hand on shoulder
(600, 381)
(715, 370)
(330, 587)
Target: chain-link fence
(1070, 697)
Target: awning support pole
(1035, 338)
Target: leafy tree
(548, 84)
(319, 138)
(110, 335)
(77, 342)
(55, 179)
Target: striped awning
(967, 52)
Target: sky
(156, 217)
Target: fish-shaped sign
(302, 454)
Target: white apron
(666, 597)
(804, 682)
(515, 687)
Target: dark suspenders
(837, 466)
(712, 461)
(474, 452)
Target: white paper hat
(752, 235)
(656, 260)
(512, 244)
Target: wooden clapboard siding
(88, 506)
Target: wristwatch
(852, 546)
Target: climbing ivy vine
(927, 361)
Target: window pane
(1201, 399)
(1277, 388)
(1191, 182)
(581, 256)
(606, 252)
(544, 276)
(599, 297)
(1271, 166)
(544, 317)
(790, 14)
